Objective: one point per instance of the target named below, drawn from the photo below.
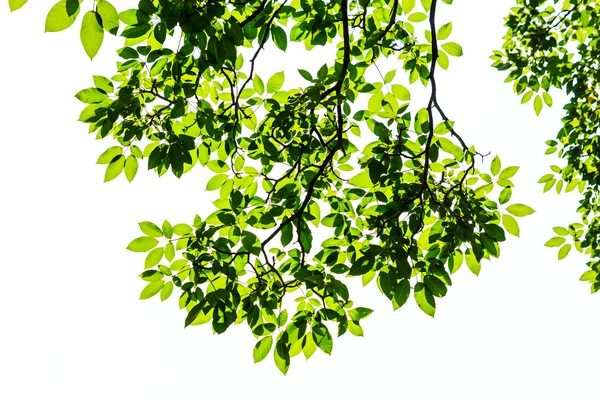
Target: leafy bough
(284, 161)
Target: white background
(72, 326)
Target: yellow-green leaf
(151, 289)
(520, 210)
(62, 15)
(142, 244)
(452, 48)
(16, 4)
(91, 33)
(131, 167)
(262, 348)
(109, 15)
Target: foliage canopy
(406, 210)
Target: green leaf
(166, 291)
(169, 251)
(322, 338)
(309, 346)
(197, 316)
(151, 289)
(417, 17)
(547, 99)
(182, 229)
(401, 92)
(282, 362)
(91, 33)
(142, 244)
(109, 15)
(472, 263)
(508, 172)
(496, 165)
(355, 328)
(359, 313)
(555, 241)
(408, 5)
(167, 229)
(216, 182)
(150, 229)
(279, 37)
(262, 348)
(258, 84)
(16, 4)
(425, 299)
(511, 225)
(91, 96)
(435, 285)
(537, 104)
(275, 82)
(131, 167)
(282, 318)
(103, 83)
(454, 49)
(401, 293)
(559, 230)
(444, 31)
(564, 251)
(505, 195)
(361, 180)
(62, 15)
(451, 148)
(520, 210)
(306, 75)
(114, 168)
(153, 257)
